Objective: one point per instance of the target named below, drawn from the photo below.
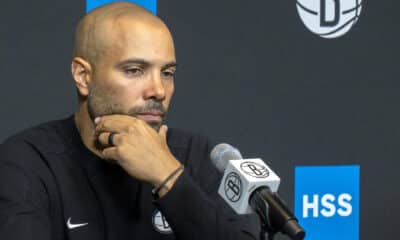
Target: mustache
(148, 106)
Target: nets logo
(254, 169)
(327, 201)
(233, 187)
(160, 224)
(329, 18)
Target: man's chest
(108, 204)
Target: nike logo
(72, 226)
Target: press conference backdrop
(310, 86)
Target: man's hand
(137, 148)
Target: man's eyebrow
(143, 62)
(169, 65)
(132, 61)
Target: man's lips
(151, 116)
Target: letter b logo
(329, 18)
(335, 11)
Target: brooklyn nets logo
(233, 187)
(329, 18)
(254, 169)
(160, 224)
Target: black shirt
(53, 187)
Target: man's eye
(133, 71)
(168, 74)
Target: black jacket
(53, 188)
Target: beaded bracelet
(155, 190)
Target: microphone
(249, 185)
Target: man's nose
(155, 87)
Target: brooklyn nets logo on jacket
(160, 224)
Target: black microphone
(250, 185)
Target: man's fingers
(114, 123)
(109, 139)
(111, 153)
(112, 117)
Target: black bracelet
(155, 190)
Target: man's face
(135, 76)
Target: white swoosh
(72, 226)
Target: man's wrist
(162, 188)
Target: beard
(101, 103)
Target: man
(112, 171)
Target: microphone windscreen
(222, 153)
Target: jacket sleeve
(193, 208)
(24, 207)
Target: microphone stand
(275, 216)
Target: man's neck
(86, 127)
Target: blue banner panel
(327, 201)
(150, 5)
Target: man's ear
(82, 73)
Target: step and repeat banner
(309, 86)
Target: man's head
(124, 63)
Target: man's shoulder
(32, 142)
(40, 132)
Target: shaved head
(96, 33)
(124, 63)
